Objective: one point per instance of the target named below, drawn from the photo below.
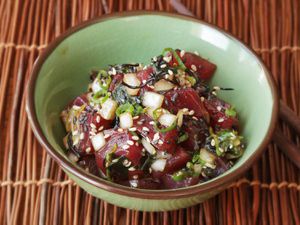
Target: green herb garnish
(176, 56)
(167, 129)
(191, 79)
(230, 112)
(182, 138)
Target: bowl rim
(127, 191)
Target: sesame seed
(98, 119)
(130, 142)
(167, 76)
(88, 150)
(202, 99)
(182, 52)
(131, 169)
(230, 146)
(217, 88)
(221, 120)
(132, 129)
(163, 66)
(75, 132)
(115, 160)
(219, 108)
(196, 53)
(137, 144)
(170, 72)
(92, 125)
(125, 147)
(154, 58)
(139, 122)
(120, 130)
(150, 170)
(126, 163)
(221, 149)
(193, 67)
(136, 138)
(135, 117)
(151, 122)
(145, 129)
(212, 143)
(214, 93)
(135, 177)
(195, 118)
(101, 128)
(151, 86)
(160, 142)
(192, 112)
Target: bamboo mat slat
(34, 190)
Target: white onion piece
(108, 109)
(132, 80)
(98, 141)
(163, 85)
(207, 156)
(149, 148)
(152, 100)
(126, 120)
(167, 119)
(96, 86)
(159, 165)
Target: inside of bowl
(64, 74)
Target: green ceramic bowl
(61, 73)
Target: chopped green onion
(178, 176)
(183, 138)
(108, 160)
(134, 109)
(105, 98)
(191, 79)
(230, 112)
(157, 113)
(176, 56)
(164, 130)
(127, 107)
(216, 139)
(102, 73)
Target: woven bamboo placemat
(34, 190)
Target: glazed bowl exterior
(61, 73)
